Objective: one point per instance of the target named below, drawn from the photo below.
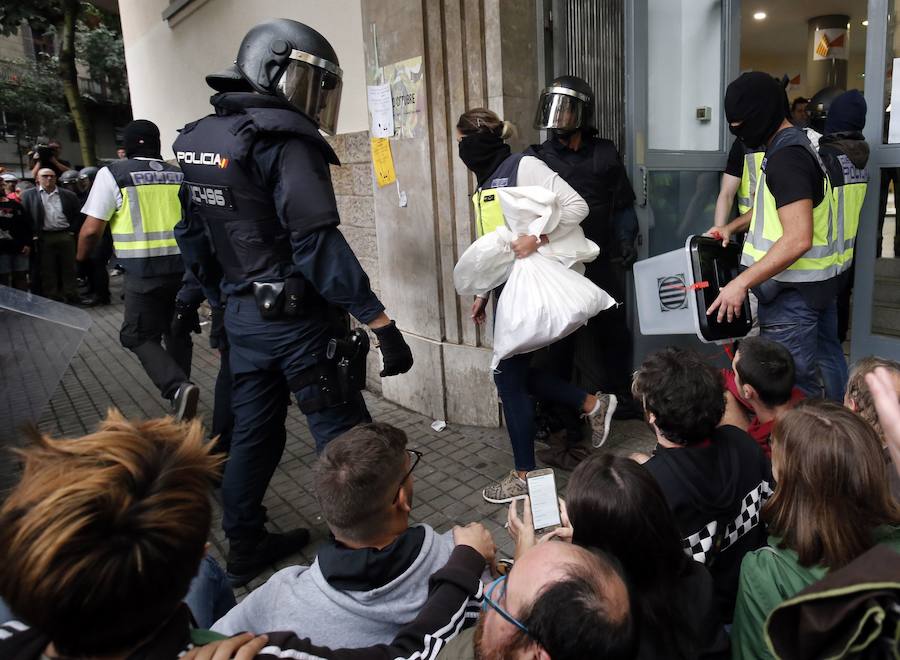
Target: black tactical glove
(629, 253)
(395, 351)
(185, 320)
(217, 337)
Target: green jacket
(770, 576)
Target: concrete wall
(476, 53)
(167, 60)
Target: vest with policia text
(821, 262)
(142, 227)
(749, 178)
(224, 189)
(849, 184)
(488, 211)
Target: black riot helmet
(228, 79)
(89, 173)
(290, 60)
(566, 105)
(69, 180)
(819, 105)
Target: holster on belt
(279, 300)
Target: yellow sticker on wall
(382, 161)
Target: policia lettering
(142, 227)
(260, 227)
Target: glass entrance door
(681, 54)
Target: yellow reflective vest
(142, 228)
(849, 186)
(822, 260)
(749, 178)
(488, 211)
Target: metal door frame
(862, 341)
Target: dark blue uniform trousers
(265, 356)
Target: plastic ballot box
(675, 289)
(38, 339)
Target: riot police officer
(593, 167)
(261, 220)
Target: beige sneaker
(601, 420)
(510, 488)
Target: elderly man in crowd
(54, 216)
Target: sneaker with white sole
(602, 418)
(509, 488)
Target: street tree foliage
(62, 16)
(31, 96)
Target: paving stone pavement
(458, 461)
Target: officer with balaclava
(136, 198)
(845, 152)
(593, 167)
(260, 227)
(790, 254)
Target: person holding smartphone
(482, 136)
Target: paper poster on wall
(382, 110)
(830, 44)
(383, 161)
(407, 81)
(894, 125)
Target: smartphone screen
(544, 505)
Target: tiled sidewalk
(458, 461)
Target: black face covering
(482, 153)
(757, 101)
(142, 139)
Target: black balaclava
(142, 139)
(482, 153)
(757, 101)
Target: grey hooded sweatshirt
(299, 599)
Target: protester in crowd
(482, 147)
(21, 187)
(370, 577)
(48, 156)
(799, 113)
(831, 504)
(759, 388)
(9, 186)
(560, 602)
(860, 399)
(615, 505)
(884, 394)
(54, 216)
(121, 154)
(714, 478)
(103, 535)
(15, 243)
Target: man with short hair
(799, 113)
(54, 218)
(371, 577)
(715, 478)
(759, 388)
(559, 602)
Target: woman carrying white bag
(481, 134)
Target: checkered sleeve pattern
(700, 545)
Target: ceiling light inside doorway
(760, 15)
(865, 23)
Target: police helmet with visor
(565, 105)
(88, 173)
(69, 179)
(291, 60)
(819, 105)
